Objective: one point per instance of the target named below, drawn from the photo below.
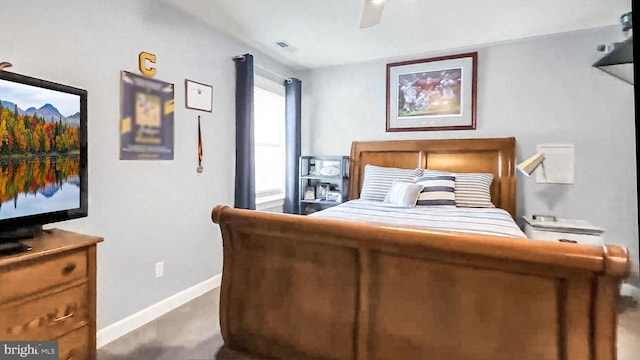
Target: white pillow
(437, 190)
(403, 193)
(472, 189)
(378, 180)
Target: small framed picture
(198, 96)
(334, 196)
(321, 190)
(309, 193)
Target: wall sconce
(530, 165)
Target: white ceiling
(326, 32)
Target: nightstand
(563, 230)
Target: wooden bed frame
(307, 287)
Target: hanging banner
(146, 118)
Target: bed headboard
(495, 155)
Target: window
(269, 137)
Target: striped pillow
(472, 189)
(378, 180)
(403, 193)
(438, 190)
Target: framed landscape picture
(432, 94)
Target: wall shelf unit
(324, 182)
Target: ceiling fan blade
(371, 13)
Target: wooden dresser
(49, 293)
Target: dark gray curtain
(293, 102)
(245, 197)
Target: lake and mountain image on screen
(39, 155)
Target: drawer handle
(568, 241)
(62, 318)
(69, 268)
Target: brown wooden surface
(92, 284)
(305, 287)
(50, 242)
(54, 271)
(72, 345)
(491, 155)
(47, 317)
(49, 293)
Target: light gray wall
(147, 211)
(540, 90)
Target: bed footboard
(305, 287)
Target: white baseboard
(130, 323)
(630, 290)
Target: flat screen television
(43, 156)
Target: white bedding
(490, 221)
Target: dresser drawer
(74, 346)
(47, 317)
(28, 278)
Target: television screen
(43, 152)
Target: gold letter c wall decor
(142, 63)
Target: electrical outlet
(159, 269)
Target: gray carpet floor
(190, 332)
